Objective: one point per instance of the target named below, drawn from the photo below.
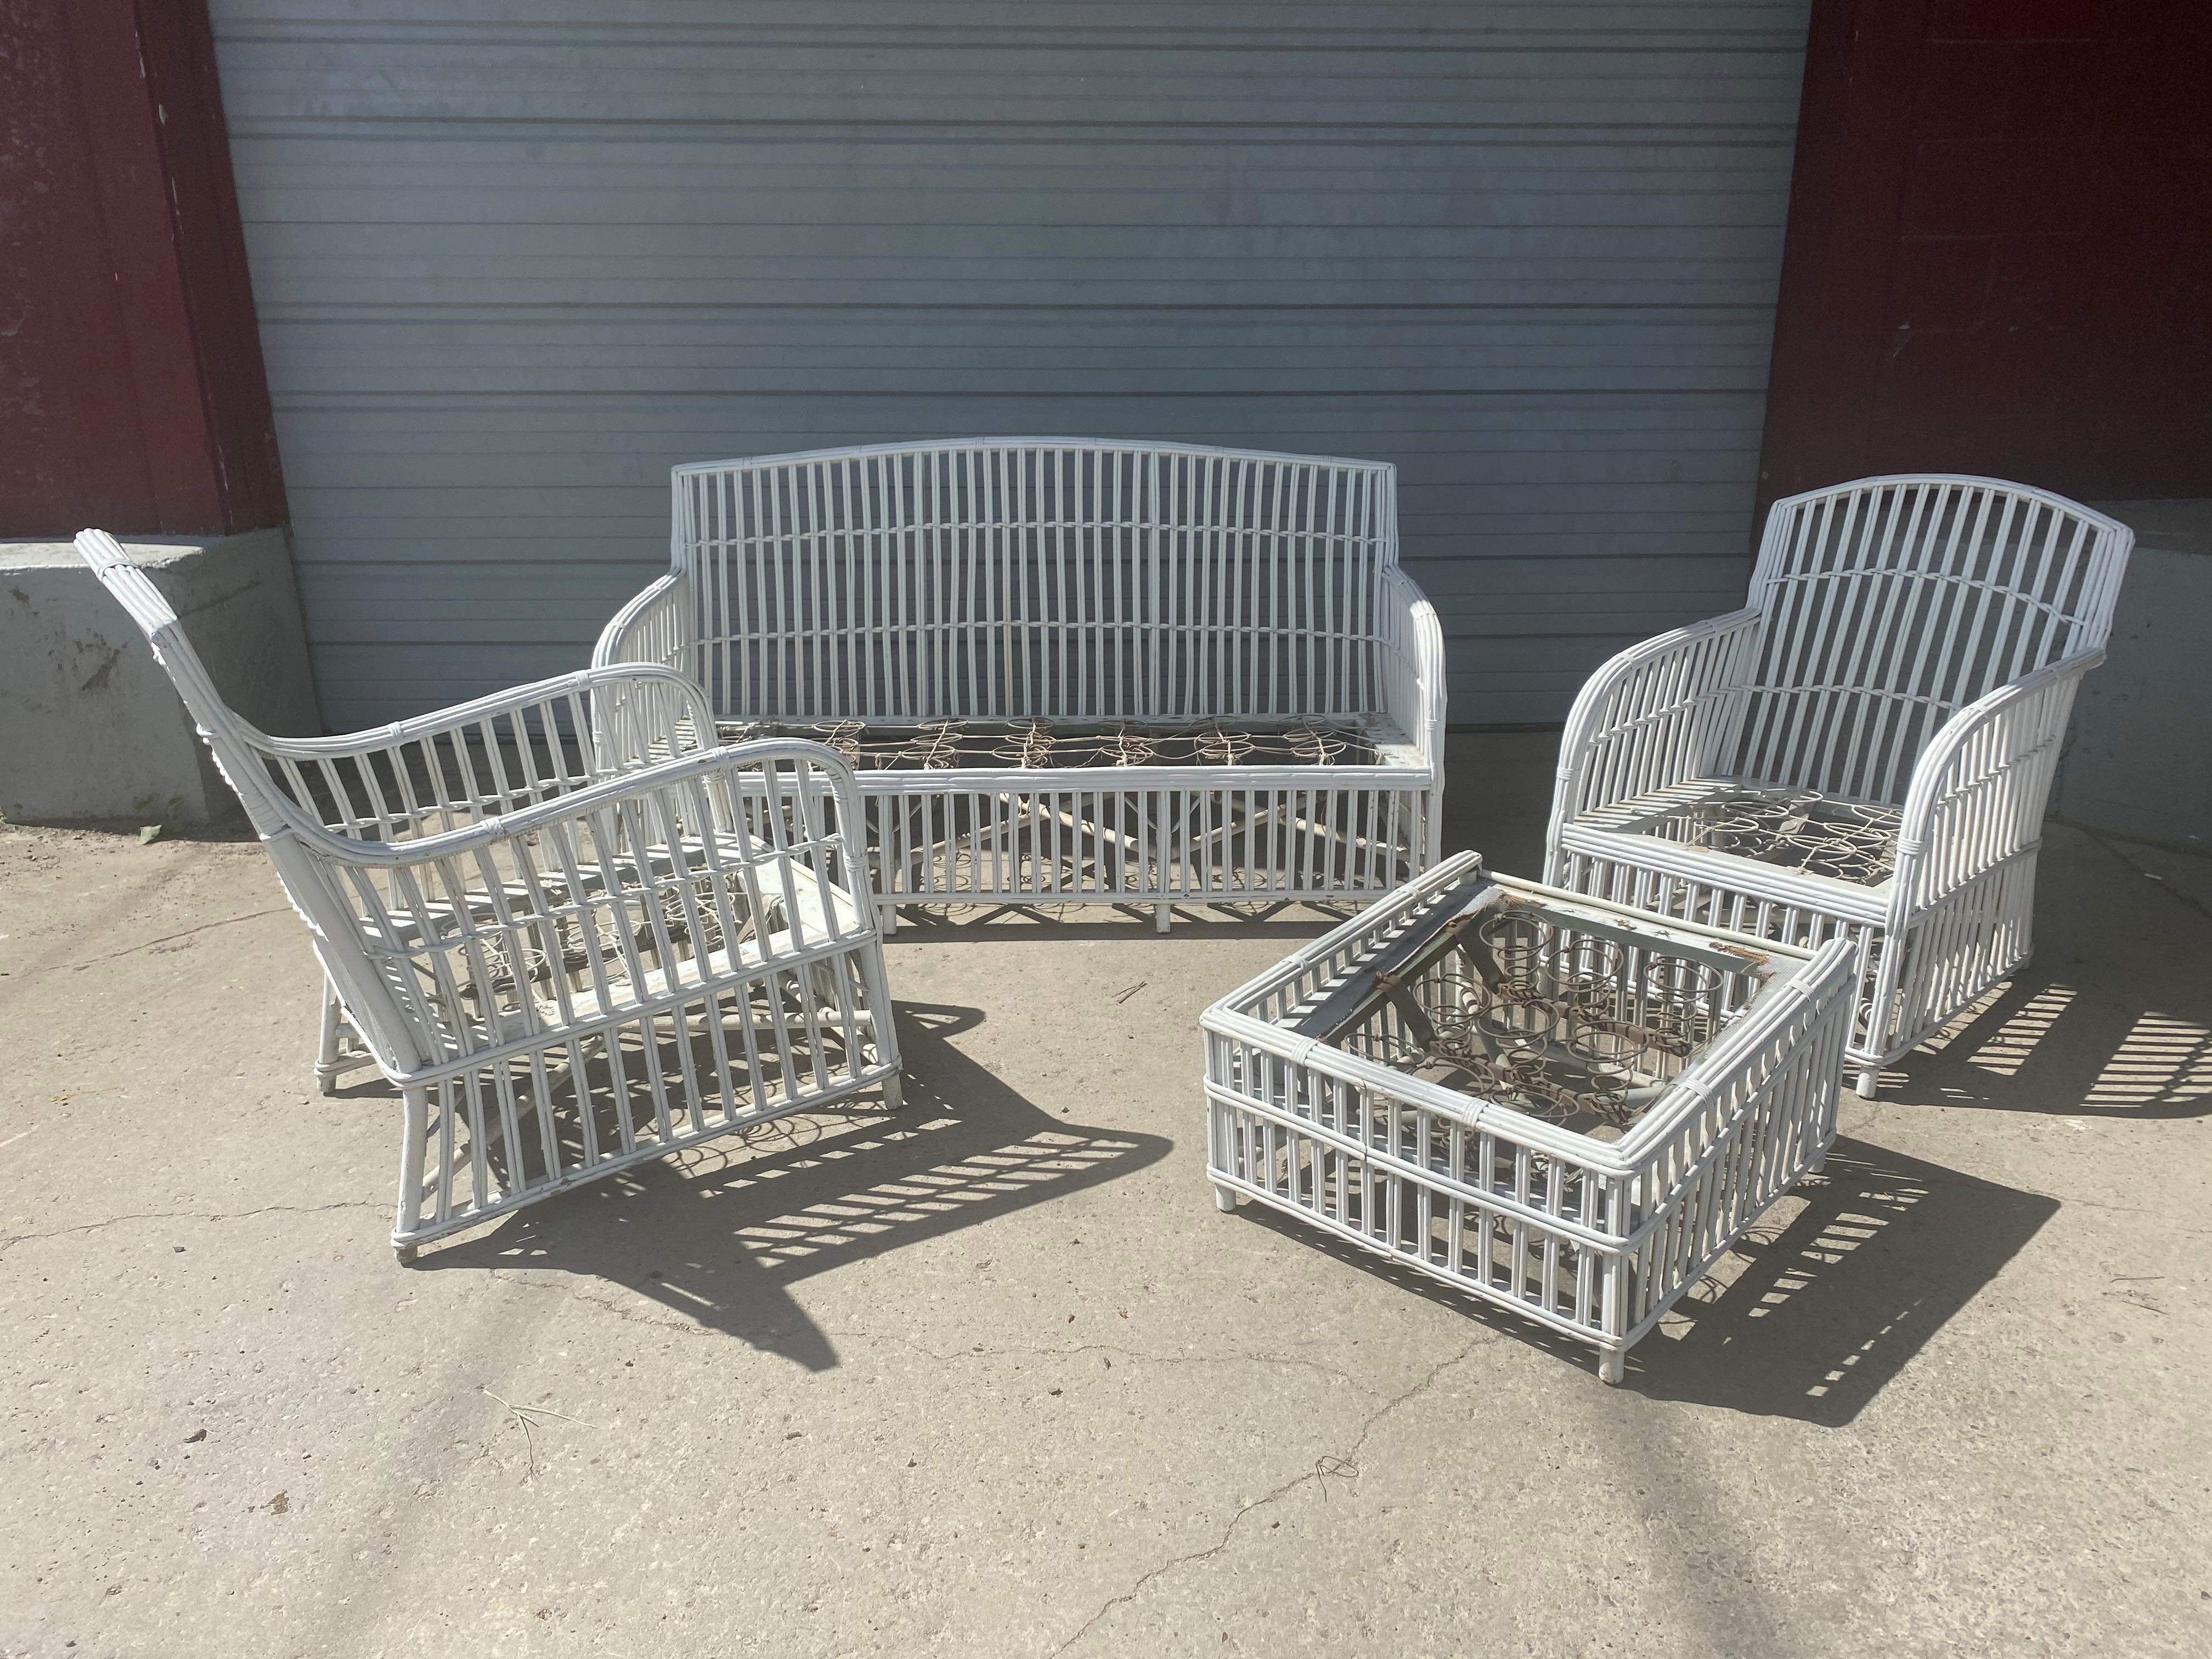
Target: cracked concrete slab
(992, 1377)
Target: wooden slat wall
(511, 262)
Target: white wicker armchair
(1867, 748)
(1071, 671)
(570, 937)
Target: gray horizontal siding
(509, 270)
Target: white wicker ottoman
(1560, 1105)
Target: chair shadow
(1818, 1310)
(1827, 1298)
(721, 1233)
(2062, 1047)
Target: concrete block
(2140, 761)
(90, 727)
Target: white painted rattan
(568, 957)
(1078, 583)
(1886, 714)
(1593, 1233)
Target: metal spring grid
(1793, 830)
(953, 744)
(1568, 1027)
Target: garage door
(513, 261)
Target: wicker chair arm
(650, 786)
(478, 761)
(575, 688)
(656, 626)
(1413, 687)
(1980, 787)
(555, 915)
(1646, 713)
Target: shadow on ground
(721, 1234)
(1838, 1287)
(1829, 1297)
(2062, 1047)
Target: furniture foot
(407, 1253)
(1869, 1082)
(1162, 915)
(1612, 1366)
(415, 1116)
(1224, 1199)
(887, 916)
(326, 1048)
(894, 1092)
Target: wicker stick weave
(1556, 1104)
(1157, 610)
(571, 936)
(1865, 751)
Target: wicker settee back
(1044, 578)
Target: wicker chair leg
(1869, 1082)
(894, 1092)
(326, 1053)
(415, 1135)
(1224, 1199)
(1612, 1366)
(887, 914)
(1163, 916)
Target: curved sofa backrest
(1890, 603)
(1036, 577)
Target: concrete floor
(1952, 1402)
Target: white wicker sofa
(1073, 670)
